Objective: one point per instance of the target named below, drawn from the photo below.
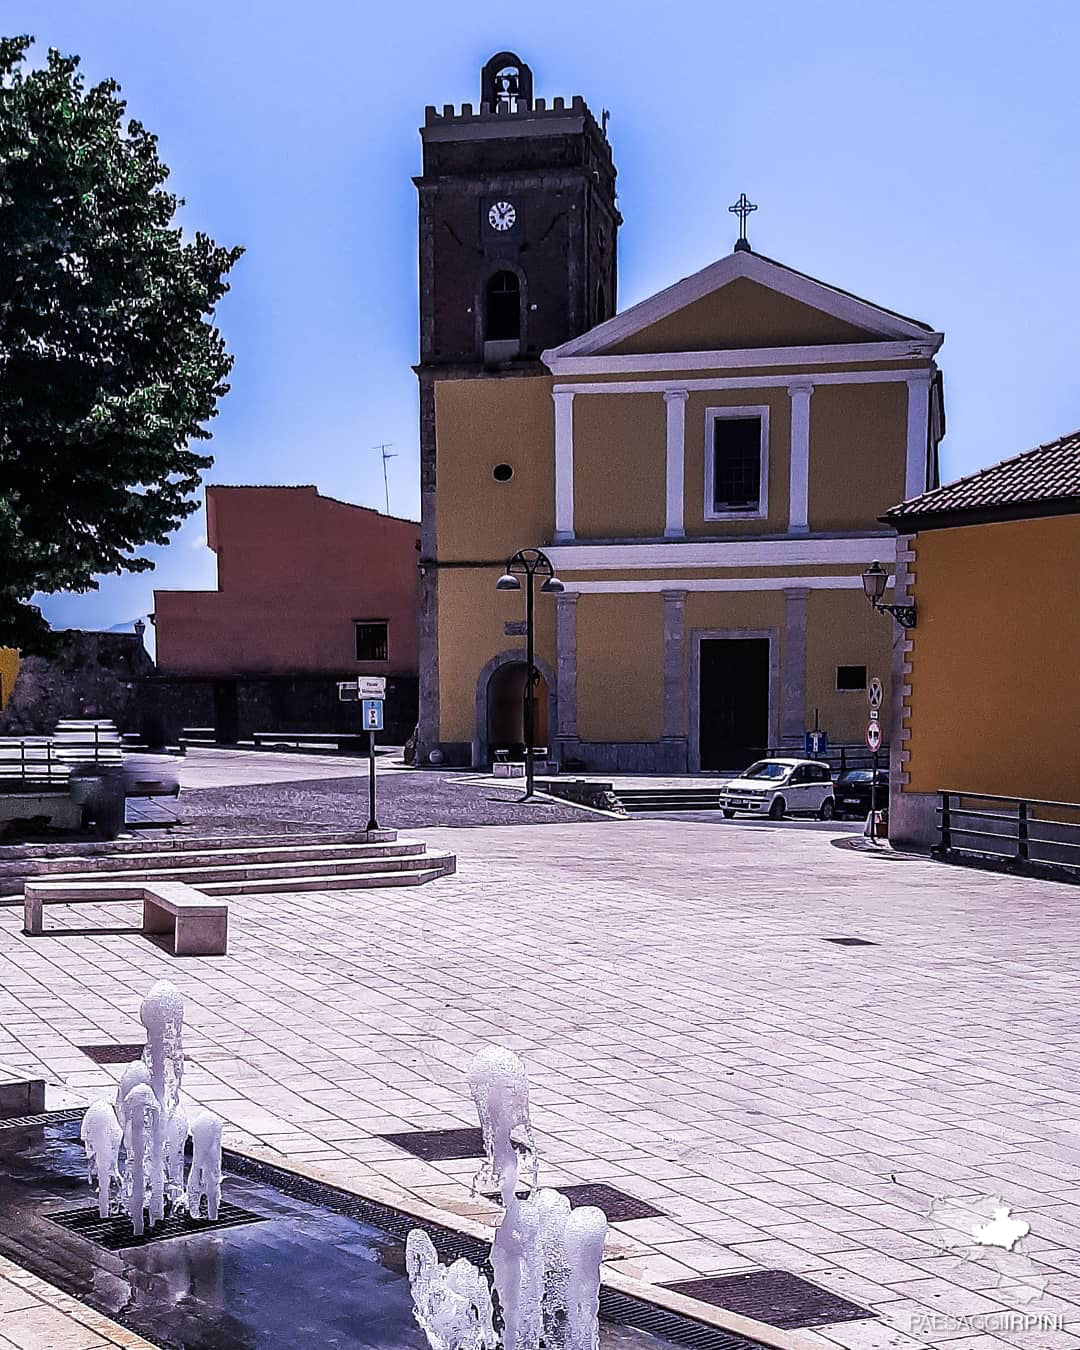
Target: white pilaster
(564, 464)
(799, 494)
(675, 402)
(918, 430)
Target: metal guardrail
(1012, 831)
(838, 757)
(45, 762)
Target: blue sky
(921, 155)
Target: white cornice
(663, 386)
(818, 583)
(807, 291)
(837, 353)
(809, 552)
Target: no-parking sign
(873, 736)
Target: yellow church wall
(478, 424)
(9, 671)
(620, 653)
(735, 609)
(741, 314)
(472, 619)
(843, 630)
(619, 466)
(779, 405)
(858, 453)
(993, 706)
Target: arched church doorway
(506, 710)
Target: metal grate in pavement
(773, 1296)
(112, 1054)
(617, 1205)
(115, 1235)
(852, 942)
(440, 1145)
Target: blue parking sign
(816, 743)
(373, 714)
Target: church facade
(705, 470)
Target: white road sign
(371, 686)
(873, 736)
(875, 693)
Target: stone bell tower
(518, 226)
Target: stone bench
(198, 924)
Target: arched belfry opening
(506, 84)
(502, 308)
(502, 317)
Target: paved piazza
(690, 1036)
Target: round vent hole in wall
(502, 473)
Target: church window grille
(736, 468)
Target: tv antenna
(386, 453)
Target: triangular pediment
(743, 302)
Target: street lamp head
(553, 586)
(874, 580)
(508, 583)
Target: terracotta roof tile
(1039, 478)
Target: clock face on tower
(502, 216)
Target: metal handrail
(952, 807)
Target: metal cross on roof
(742, 209)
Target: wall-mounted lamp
(874, 581)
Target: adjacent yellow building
(986, 700)
(707, 472)
(9, 672)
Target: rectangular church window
(371, 641)
(736, 467)
(851, 677)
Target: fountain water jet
(205, 1176)
(102, 1136)
(149, 1122)
(144, 1181)
(545, 1256)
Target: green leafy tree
(110, 365)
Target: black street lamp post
(529, 563)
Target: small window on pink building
(371, 641)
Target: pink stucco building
(311, 590)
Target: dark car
(853, 792)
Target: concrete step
(334, 881)
(376, 872)
(353, 863)
(669, 799)
(224, 853)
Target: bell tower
(518, 227)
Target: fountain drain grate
(439, 1145)
(112, 1054)
(43, 1118)
(114, 1233)
(773, 1296)
(618, 1206)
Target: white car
(781, 787)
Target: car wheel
(728, 814)
(776, 809)
(828, 809)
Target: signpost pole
(373, 823)
(873, 801)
